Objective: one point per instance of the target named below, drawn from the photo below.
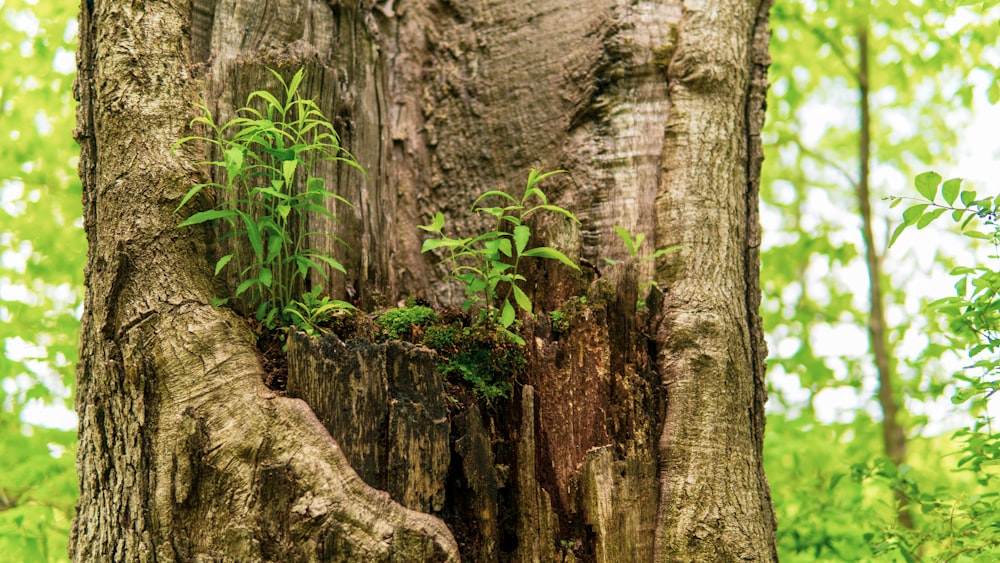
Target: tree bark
(634, 435)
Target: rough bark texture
(715, 504)
(633, 435)
(184, 454)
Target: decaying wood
(385, 405)
(575, 454)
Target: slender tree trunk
(893, 434)
(634, 435)
(711, 356)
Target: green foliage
(397, 324)
(41, 277)
(264, 154)
(37, 492)
(480, 355)
(954, 521)
(633, 244)
(560, 321)
(487, 264)
(315, 312)
(921, 57)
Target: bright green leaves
(927, 184)
(265, 156)
(314, 311)
(925, 212)
(633, 244)
(487, 264)
(42, 257)
(550, 253)
(973, 319)
(950, 190)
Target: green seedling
(267, 157)
(487, 264)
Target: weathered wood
(385, 405)
(537, 526)
(618, 498)
(580, 469)
(475, 500)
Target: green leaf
(968, 197)
(288, 171)
(930, 216)
(536, 176)
(191, 193)
(912, 213)
(508, 314)
(521, 235)
(432, 243)
(303, 264)
(203, 216)
(976, 235)
(663, 252)
(331, 262)
(436, 224)
(927, 184)
(496, 193)
(234, 161)
(268, 97)
(265, 276)
(521, 299)
(222, 263)
(274, 245)
(499, 246)
(293, 86)
(549, 252)
(626, 237)
(253, 235)
(247, 284)
(950, 190)
(554, 209)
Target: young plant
(487, 264)
(633, 244)
(314, 311)
(267, 155)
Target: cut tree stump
(565, 470)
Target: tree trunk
(633, 435)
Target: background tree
(184, 452)
(41, 279)
(902, 84)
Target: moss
(560, 322)
(478, 356)
(400, 324)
